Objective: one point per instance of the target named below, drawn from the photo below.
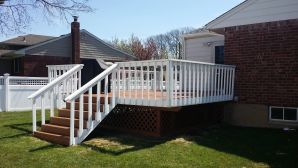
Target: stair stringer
(92, 126)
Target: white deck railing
(54, 71)
(58, 88)
(170, 83)
(109, 103)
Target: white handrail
(176, 60)
(91, 83)
(99, 115)
(67, 83)
(202, 63)
(56, 81)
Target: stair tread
(65, 121)
(57, 129)
(66, 109)
(66, 118)
(51, 137)
(57, 126)
(47, 133)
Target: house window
(283, 114)
(219, 54)
(16, 65)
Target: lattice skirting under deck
(156, 122)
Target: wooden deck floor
(151, 94)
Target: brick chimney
(75, 41)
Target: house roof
(91, 47)
(27, 40)
(256, 11)
(225, 14)
(3, 51)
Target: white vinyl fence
(14, 91)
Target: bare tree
(162, 46)
(169, 44)
(16, 15)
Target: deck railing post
(34, 115)
(81, 114)
(170, 82)
(71, 137)
(113, 89)
(6, 91)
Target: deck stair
(58, 129)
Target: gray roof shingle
(28, 40)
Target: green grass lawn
(221, 146)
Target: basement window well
(287, 114)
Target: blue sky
(143, 18)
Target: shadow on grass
(268, 146)
(115, 143)
(271, 146)
(24, 128)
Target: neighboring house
(260, 37)
(28, 55)
(8, 61)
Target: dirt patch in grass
(109, 143)
(182, 140)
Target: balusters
(142, 81)
(161, 82)
(148, 78)
(113, 90)
(98, 104)
(124, 82)
(154, 84)
(106, 108)
(175, 83)
(135, 84)
(193, 83)
(197, 82)
(189, 85)
(230, 83)
(180, 83)
(129, 82)
(233, 78)
(171, 88)
(52, 102)
(118, 81)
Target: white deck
(159, 83)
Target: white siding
(257, 11)
(196, 49)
